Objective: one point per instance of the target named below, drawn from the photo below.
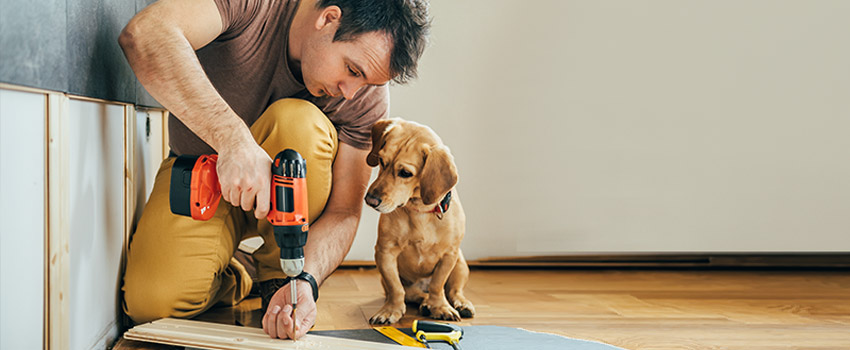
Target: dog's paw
(440, 312)
(388, 314)
(464, 308)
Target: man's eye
(404, 173)
(353, 72)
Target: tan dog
(418, 250)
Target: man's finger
(225, 192)
(263, 198)
(265, 322)
(272, 322)
(247, 200)
(284, 322)
(232, 196)
(304, 325)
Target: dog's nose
(372, 201)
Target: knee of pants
(151, 300)
(297, 124)
(148, 306)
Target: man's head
(363, 42)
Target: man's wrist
(304, 276)
(231, 134)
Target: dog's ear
(378, 130)
(438, 176)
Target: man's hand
(277, 322)
(244, 172)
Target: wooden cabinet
(146, 153)
(74, 176)
(22, 218)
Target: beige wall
(640, 126)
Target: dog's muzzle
(372, 201)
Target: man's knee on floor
(155, 302)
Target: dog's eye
(404, 173)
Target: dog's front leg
(436, 304)
(387, 261)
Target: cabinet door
(147, 152)
(96, 142)
(22, 219)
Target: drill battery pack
(195, 190)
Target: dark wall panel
(70, 46)
(96, 64)
(32, 43)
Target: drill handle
(288, 190)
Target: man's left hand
(277, 322)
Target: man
(246, 79)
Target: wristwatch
(304, 276)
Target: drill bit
(294, 299)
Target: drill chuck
(292, 267)
(291, 240)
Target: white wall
(97, 221)
(640, 126)
(22, 219)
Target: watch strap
(304, 276)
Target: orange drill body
(196, 192)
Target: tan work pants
(179, 267)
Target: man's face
(341, 68)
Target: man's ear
(438, 176)
(328, 16)
(378, 130)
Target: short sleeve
(354, 118)
(236, 15)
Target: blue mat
(485, 338)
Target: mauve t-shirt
(247, 64)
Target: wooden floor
(632, 309)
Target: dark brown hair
(406, 21)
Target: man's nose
(349, 89)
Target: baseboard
(662, 260)
(107, 337)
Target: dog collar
(443, 206)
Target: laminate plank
(208, 335)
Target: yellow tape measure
(398, 336)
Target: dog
(421, 225)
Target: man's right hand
(244, 172)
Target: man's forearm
(166, 65)
(328, 242)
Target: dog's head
(416, 168)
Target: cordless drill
(196, 192)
